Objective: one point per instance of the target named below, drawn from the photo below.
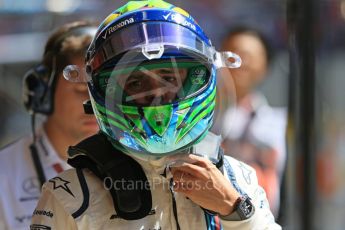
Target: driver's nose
(159, 94)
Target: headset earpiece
(39, 82)
(88, 107)
(37, 94)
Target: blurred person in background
(5, 102)
(253, 131)
(153, 165)
(26, 163)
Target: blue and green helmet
(152, 79)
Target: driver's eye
(134, 85)
(171, 79)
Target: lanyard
(37, 163)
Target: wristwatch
(243, 209)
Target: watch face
(245, 208)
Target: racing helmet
(151, 74)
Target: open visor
(155, 82)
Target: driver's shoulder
(72, 189)
(241, 175)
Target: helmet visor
(156, 82)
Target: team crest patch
(58, 182)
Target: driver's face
(158, 86)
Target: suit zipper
(174, 204)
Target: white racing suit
(19, 185)
(77, 199)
